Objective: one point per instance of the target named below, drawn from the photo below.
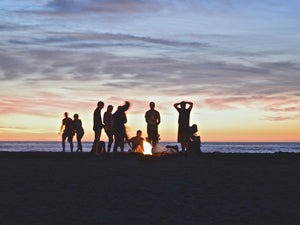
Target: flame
(147, 148)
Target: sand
(65, 188)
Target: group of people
(114, 127)
(70, 128)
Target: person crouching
(136, 143)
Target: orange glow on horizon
(229, 126)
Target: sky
(238, 61)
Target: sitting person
(136, 143)
(101, 148)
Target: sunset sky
(238, 61)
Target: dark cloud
(81, 40)
(14, 66)
(9, 27)
(281, 66)
(117, 7)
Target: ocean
(223, 147)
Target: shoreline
(203, 155)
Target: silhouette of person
(79, 131)
(108, 121)
(98, 125)
(136, 143)
(119, 120)
(67, 124)
(183, 123)
(152, 118)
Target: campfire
(147, 148)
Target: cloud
(13, 127)
(286, 105)
(117, 7)
(283, 109)
(281, 118)
(281, 66)
(42, 104)
(164, 75)
(92, 40)
(13, 66)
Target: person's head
(66, 114)
(152, 105)
(182, 104)
(76, 116)
(110, 108)
(100, 104)
(139, 133)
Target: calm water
(225, 147)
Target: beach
(210, 188)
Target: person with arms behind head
(183, 123)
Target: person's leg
(63, 139)
(122, 141)
(77, 137)
(182, 146)
(187, 147)
(139, 149)
(79, 144)
(70, 140)
(122, 146)
(110, 140)
(117, 142)
(155, 137)
(96, 139)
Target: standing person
(108, 121)
(136, 143)
(183, 123)
(67, 124)
(152, 118)
(119, 120)
(98, 125)
(79, 131)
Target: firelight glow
(147, 148)
(237, 61)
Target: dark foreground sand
(57, 188)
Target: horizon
(238, 62)
(262, 142)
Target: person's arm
(61, 127)
(105, 119)
(176, 105)
(101, 122)
(129, 143)
(191, 105)
(158, 119)
(146, 117)
(124, 118)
